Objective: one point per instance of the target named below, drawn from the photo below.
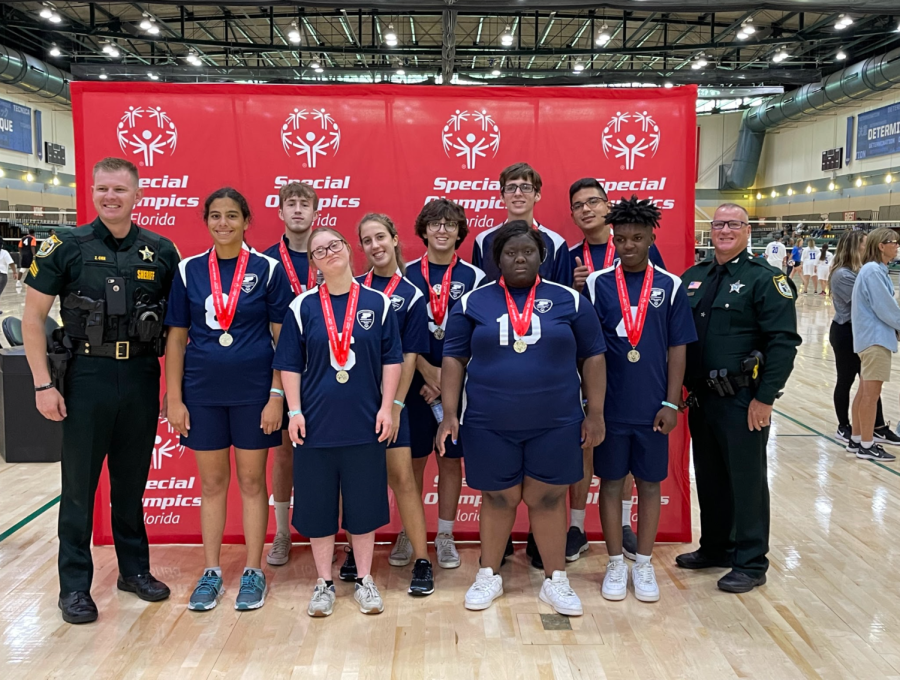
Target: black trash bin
(25, 435)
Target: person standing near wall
(823, 268)
(6, 262)
(26, 256)
(810, 257)
(776, 254)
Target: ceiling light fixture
(152, 76)
(809, 189)
(842, 22)
(780, 56)
(758, 196)
(888, 178)
(294, 34)
(790, 192)
(55, 181)
(400, 72)
(102, 76)
(315, 65)
(668, 85)
(29, 177)
(603, 37)
(54, 50)
(840, 56)
(507, 38)
(578, 67)
(46, 12)
(495, 72)
(831, 186)
(859, 182)
(774, 194)
(390, 38)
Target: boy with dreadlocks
(647, 322)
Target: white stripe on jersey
(676, 282)
(297, 302)
(385, 299)
(464, 300)
(575, 294)
(182, 266)
(272, 263)
(558, 241)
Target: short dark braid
(634, 211)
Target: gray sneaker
(368, 598)
(448, 557)
(207, 593)
(402, 553)
(280, 552)
(322, 601)
(252, 594)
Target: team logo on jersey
(366, 318)
(657, 297)
(543, 306)
(397, 302)
(48, 246)
(470, 135)
(249, 282)
(457, 289)
(310, 133)
(630, 135)
(147, 132)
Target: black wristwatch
(43, 388)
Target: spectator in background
(776, 253)
(27, 246)
(795, 261)
(809, 257)
(823, 264)
(6, 262)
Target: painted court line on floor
(34, 515)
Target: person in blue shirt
(381, 244)
(340, 359)
(298, 207)
(589, 205)
(645, 366)
(229, 302)
(517, 345)
(443, 279)
(520, 190)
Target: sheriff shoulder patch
(146, 275)
(48, 246)
(783, 287)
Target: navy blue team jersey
(598, 255)
(555, 266)
(339, 414)
(465, 278)
(408, 303)
(635, 391)
(242, 373)
(299, 260)
(539, 388)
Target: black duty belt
(115, 350)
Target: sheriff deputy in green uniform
(112, 278)
(747, 328)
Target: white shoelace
(645, 575)
(320, 595)
(370, 591)
(617, 572)
(483, 584)
(562, 588)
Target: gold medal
(520, 346)
(439, 333)
(634, 356)
(226, 339)
(342, 377)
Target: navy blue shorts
(324, 478)
(403, 440)
(423, 427)
(632, 448)
(219, 427)
(498, 460)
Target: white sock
(642, 559)
(855, 438)
(576, 519)
(868, 445)
(218, 570)
(445, 526)
(626, 513)
(616, 558)
(282, 524)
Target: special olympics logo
(631, 136)
(310, 134)
(147, 132)
(471, 134)
(167, 448)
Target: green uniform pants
(112, 410)
(732, 487)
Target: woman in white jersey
(823, 265)
(809, 257)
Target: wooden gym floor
(829, 610)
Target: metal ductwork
(34, 76)
(854, 82)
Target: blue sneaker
(207, 593)
(252, 594)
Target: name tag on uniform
(146, 275)
(102, 258)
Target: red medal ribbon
(339, 347)
(439, 303)
(607, 259)
(634, 326)
(292, 273)
(520, 322)
(391, 286)
(225, 314)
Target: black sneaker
(875, 453)
(576, 543)
(348, 568)
(885, 435)
(629, 543)
(531, 550)
(422, 583)
(843, 433)
(852, 447)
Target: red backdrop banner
(385, 149)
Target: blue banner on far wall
(878, 132)
(15, 127)
(38, 135)
(849, 145)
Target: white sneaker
(368, 598)
(18, 286)
(644, 578)
(615, 583)
(402, 553)
(322, 601)
(280, 552)
(487, 588)
(447, 556)
(559, 594)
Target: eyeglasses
(731, 224)
(321, 252)
(525, 188)
(890, 243)
(592, 202)
(449, 227)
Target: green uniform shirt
(753, 310)
(79, 261)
